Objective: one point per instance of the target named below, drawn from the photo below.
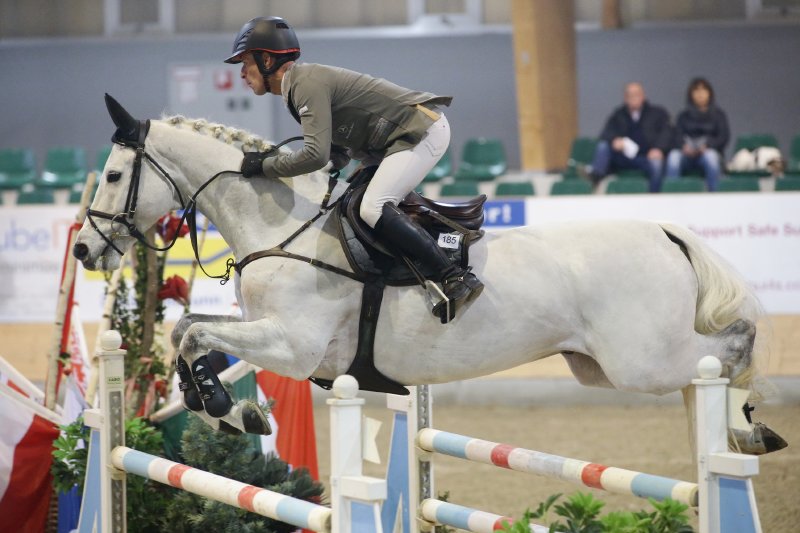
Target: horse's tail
(722, 294)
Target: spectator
(637, 135)
(701, 135)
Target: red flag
(294, 414)
(26, 445)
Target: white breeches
(399, 173)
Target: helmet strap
(279, 59)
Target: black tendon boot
(216, 400)
(460, 285)
(191, 398)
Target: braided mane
(229, 135)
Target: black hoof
(216, 400)
(254, 420)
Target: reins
(189, 216)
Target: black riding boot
(460, 285)
(191, 398)
(216, 400)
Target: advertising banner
(759, 234)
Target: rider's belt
(433, 115)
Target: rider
(344, 113)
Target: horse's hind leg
(737, 365)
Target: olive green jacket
(369, 117)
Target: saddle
(455, 226)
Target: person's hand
(253, 162)
(655, 153)
(618, 144)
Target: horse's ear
(127, 126)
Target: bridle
(126, 217)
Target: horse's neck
(250, 214)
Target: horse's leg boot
(191, 397)
(216, 400)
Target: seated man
(636, 136)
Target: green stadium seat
(794, 155)
(17, 168)
(63, 168)
(482, 160)
(751, 141)
(568, 187)
(102, 157)
(683, 185)
(787, 184)
(464, 188)
(628, 186)
(630, 173)
(442, 169)
(739, 185)
(35, 196)
(514, 188)
(581, 153)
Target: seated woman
(701, 136)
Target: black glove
(253, 162)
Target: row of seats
(63, 167)
(620, 186)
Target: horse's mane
(239, 138)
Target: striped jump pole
(273, 505)
(592, 475)
(450, 514)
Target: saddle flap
(468, 213)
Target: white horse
(619, 299)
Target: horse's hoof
(254, 420)
(227, 428)
(759, 441)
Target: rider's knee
(370, 213)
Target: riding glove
(253, 162)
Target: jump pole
(355, 498)
(723, 494)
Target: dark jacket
(652, 131)
(711, 125)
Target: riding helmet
(264, 34)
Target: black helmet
(264, 34)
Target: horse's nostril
(80, 251)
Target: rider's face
(251, 75)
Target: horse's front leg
(262, 342)
(191, 395)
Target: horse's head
(134, 192)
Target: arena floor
(649, 438)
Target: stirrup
(437, 300)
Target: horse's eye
(113, 176)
